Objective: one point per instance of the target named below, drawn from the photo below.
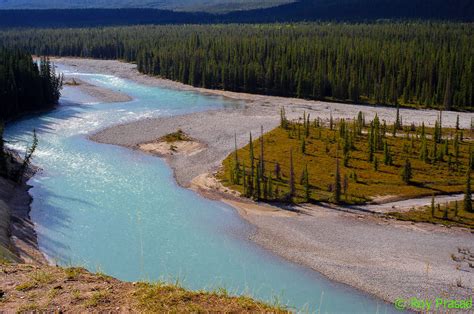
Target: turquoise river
(119, 211)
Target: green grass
(364, 183)
(97, 298)
(444, 214)
(176, 137)
(161, 297)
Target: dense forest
(414, 64)
(303, 10)
(26, 86)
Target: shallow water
(120, 212)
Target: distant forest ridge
(305, 10)
(215, 6)
(406, 63)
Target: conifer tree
(292, 177)
(277, 171)
(468, 193)
(337, 183)
(331, 122)
(407, 172)
(27, 158)
(252, 166)
(306, 185)
(262, 161)
(432, 206)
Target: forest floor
(385, 257)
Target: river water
(120, 212)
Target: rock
(1, 294)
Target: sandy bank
(102, 95)
(389, 259)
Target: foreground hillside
(43, 288)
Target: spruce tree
(468, 193)
(406, 173)
(252, 166)
(433, 206)
(306, 185)
(292, 177)
(262, 161)
(337, 183)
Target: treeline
(414, 64)
(26, 86)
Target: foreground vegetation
(350, 161)
(45, 289)
(414, 64)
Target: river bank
(18, 241)
(389, 259)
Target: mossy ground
(364, 183)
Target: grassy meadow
(371, 159)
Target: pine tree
(407, 172)
(468, 193)
(236, 175)
(457, 123)
(306, 185)
(387, 156)
(27, 158)
(337, 183)
(433, 206)
(303, 147)
(277, 171)
(292, 177)
(252, 166)
(376, 163)
(262, 161)
(331, 122)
